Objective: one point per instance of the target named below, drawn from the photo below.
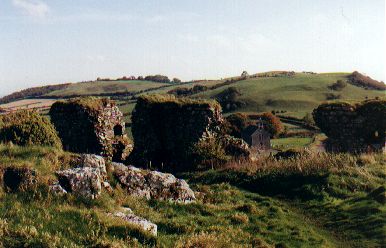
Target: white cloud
(32, 8)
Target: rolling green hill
(299, 94)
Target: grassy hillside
(320, 201)
(300, 93)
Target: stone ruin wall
(349, 129)
(88, 125)
(165, 129)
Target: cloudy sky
(55, 41)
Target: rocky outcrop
(128, 216)
(153, 184)
(165, 130)
(84, 182)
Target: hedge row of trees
(366, 82)
(184, 91)
(154, 78)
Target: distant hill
(32, 92)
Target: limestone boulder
(153, 184)
(94, 161)
(128, 216)
(85, 181)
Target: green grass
(288, 143)
(318, 201)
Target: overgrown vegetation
(28, 128)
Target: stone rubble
(153, 184)
(128, 216)
(91, 176)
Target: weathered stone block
(153, 184)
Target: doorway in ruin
(118, 130)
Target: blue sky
(55, 41)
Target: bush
(234, 124)
(272, 123)
(332, 96)
(209, 153)
(176, 80)
(339, 85)
(228, 99)
(28, 128)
